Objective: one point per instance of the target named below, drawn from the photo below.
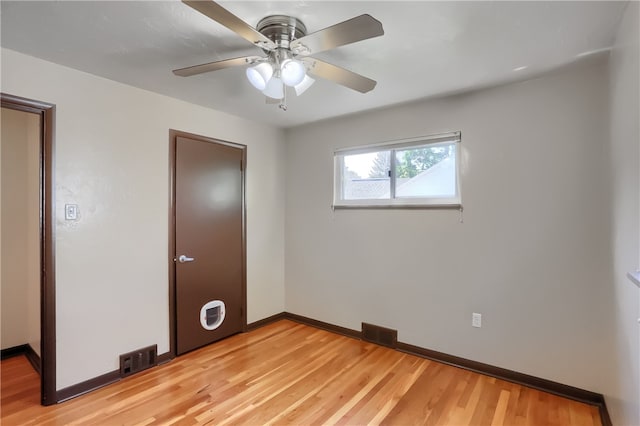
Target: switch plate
(476, 320)
(71, 212)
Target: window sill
(634, 277)
(398, 206)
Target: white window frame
(454, 202)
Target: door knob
(185, 259)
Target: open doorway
(20, 231)
(27, 239)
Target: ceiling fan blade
(361, 27)
(221, 15)
(214, 66)
(339, 75)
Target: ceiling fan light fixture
(260, 75)
(293, 72)
(274, 89)
(283, 38)
(303, 85)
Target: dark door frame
(173, 136)
(46, 112)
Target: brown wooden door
(209, 228)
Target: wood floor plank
(288, 373)
(501, 408)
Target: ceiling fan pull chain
(283, 101)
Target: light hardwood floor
(288, 373)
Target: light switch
(476, 320)
(71, 211)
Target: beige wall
(112, 159)
(20, 230)
(624, 400)
(532, 255)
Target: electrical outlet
(476, 320)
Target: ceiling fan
(287, 46)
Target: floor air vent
(139, 360)
(380, 335)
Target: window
(421, 172)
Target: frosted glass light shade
(274, 89)
(304, 85)
(259, 75)
(292, 72)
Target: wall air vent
(139, 360)
(380, 335)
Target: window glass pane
(366, 176)
(426, 172)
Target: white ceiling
(429, 48)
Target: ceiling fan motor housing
(281, 29)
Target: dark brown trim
(27, 351)
(165, 357)
(266, 321)
(23, 104)
(47, 239)
(173, 136)
(544, 385)
(172, 242)
(605, 419)
(88, 386)
(244, 235)
(323, 325)
(13, 351)
(33, 358)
